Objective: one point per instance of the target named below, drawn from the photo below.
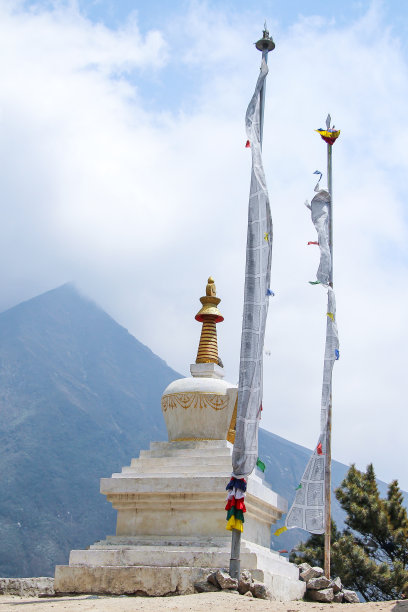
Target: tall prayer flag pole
(311, 509)
(329, 136)
(244, 455)
(327, 476)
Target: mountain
(79, 397)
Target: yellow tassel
(331, 315)
(281, 530)
(234, 523)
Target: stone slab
(155, 581)
(133, 580)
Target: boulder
(225, 581)
(350, 596)
(312, 572)
(260, 591)
(316, 584)
(325, 595)
(212, 579)
(338, 597)
(245, 582)
(336, 585)
(205, 587)
(304, 566)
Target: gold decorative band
(197, 400)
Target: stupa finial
(209, 316)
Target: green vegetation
(371, 554)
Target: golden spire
(209, 315)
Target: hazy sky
(124, 170)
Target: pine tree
(312, 551)
(371, 554)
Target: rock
(350, 596)
(234, 591)
(212, 579)
(225, 581)
(245, 582)
(336, 585)
(325, 595)
(248, 594)
(304, 566)
(316, 584)
(338, 597)
(313, 572)
(260, 591)
(27, 587)
(205, 587)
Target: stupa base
(154, 567)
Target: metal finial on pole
(264, 44)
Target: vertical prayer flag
(308, 508)
(257, 277)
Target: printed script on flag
(256, 298)
(308, 509)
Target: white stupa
(170, 501)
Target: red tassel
(247, 144)
(313, 243)
(319, 449)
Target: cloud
(139, 204)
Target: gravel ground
(204, 602)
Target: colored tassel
(237, 483)
(247, 144)
(235, 504)
(337, 354)
(260, 464)
(233, 523)
(281, 530)
(330, 136)
(314, 282)
(319, 449)
(310, 242)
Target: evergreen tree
(371, 554)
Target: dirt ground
(204, 602)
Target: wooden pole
(327, 474)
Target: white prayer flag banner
(308, 509)
(256, 298)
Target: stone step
(191, 444)
(191, 460)
(252, 558)
(217, 472)
(186, 452)
(172, 542)
(158, 558)
(146, 468)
